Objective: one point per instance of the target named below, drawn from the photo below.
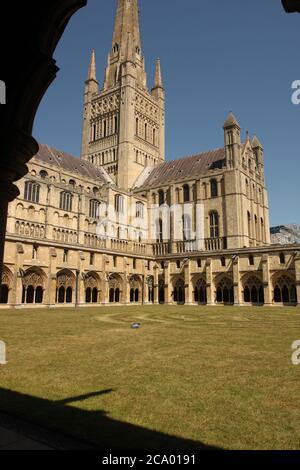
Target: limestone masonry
(123, 225)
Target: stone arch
(34, 284)
(179, 290)
(253, 289)
(92, 287)
(19, 210)
(65, 286)
(115, 283)
(6, 285)
(284, 288)
(200, 290)
(224, 290)
(150, 285)
(135, 284)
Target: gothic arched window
(214, 224)
(66, 201)
(161, 197)
(139, 210)
(282, 258)
(186, 193)
(159, 231)
(32, 192)
(119, 204)
(94, 209)
(249, 225)
(214, 188)
(187, 229)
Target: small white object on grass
(2, 353)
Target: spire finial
(158, 83)
(92, 67)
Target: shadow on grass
(94, 427)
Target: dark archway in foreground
(27, 71)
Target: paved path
(16, 434)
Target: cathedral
(124, 226)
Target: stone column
(126, 284)
(144, 291)
(237, 285)
(188, 284)
(210, 283)
(17, 288)
(168, 287)
(155, 285)
(267, 280)
(52, 290)
(105, 282)
(50, 294)
(81, 291)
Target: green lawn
(190, 377)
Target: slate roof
(65, 161)
(184, 168)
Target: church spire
(127, 21)
(126, 45)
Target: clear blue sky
(216, 56)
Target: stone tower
(123, 122)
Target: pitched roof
(184, 168)
(65, 161)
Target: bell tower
(123, 122)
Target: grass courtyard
(191, 377)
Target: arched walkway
(115, 283)
(5, 286)
(253, 290)
(284, 289)
(224, 290)
(179, 291)
(135, 284)
(33, 286)
(92, 288)
(65, 286)
(200, 291)
(150, 284)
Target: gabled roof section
(184, 168)
(65, 161)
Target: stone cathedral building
(122, 225)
